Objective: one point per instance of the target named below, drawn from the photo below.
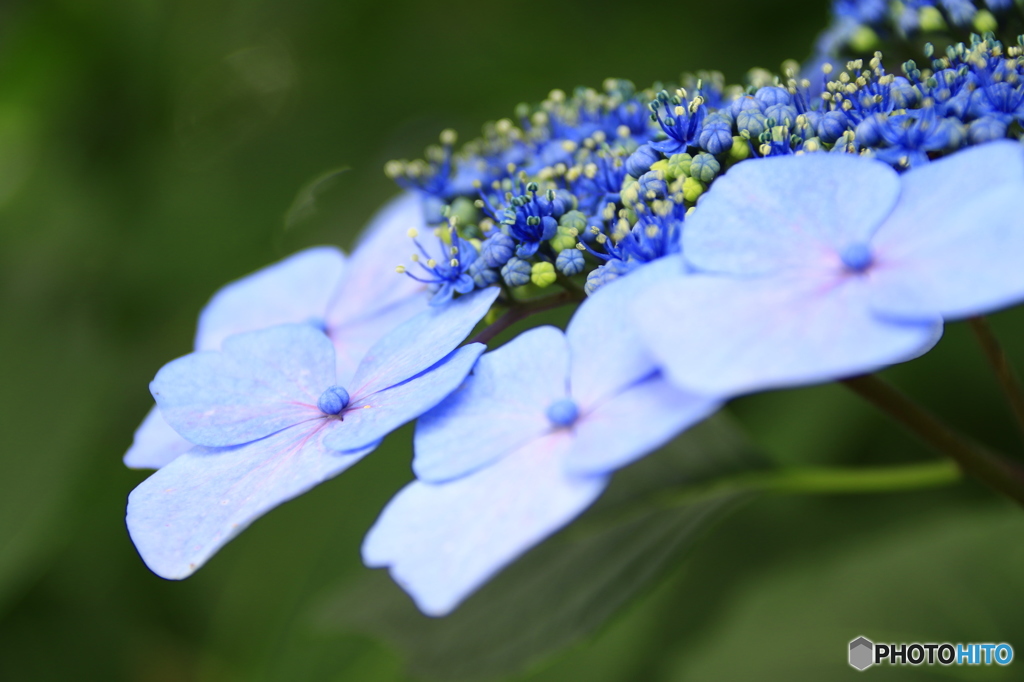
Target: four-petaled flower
(814, 268)
(270, 421)
(525, 445)
(347, 297)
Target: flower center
(856, 257)
(563, 412)
(333, 400)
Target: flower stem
(795, 481)
(823, 481)
(522, 310)
(993, 470)
(1001, 367)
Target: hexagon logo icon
(862, 653)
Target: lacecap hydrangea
(718, 239)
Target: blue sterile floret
(832, 284)
(341, 295)
(527, 444)
(270, 421)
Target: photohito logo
(864, 653)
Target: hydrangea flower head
(817, 267)
(271, 420)
(525, 445)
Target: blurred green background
(149, 152)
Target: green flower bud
(985, 21)
(705, 167)
(740, 149)
(543, 274)
(661, 165)
(464, 211)
(866, 40)
(564, 238)
(930, 19)
(573, 220)
(692, 189)
(678, 166)
(630, 193)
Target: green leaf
(568, 586)
(931, 575)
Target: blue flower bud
(960, 11)
(464, 283)
(705, 167)
(563, 412)
(806, 125)
(752, 121)
(832, 126)
(333, 400)
(784, 114)
(549, 226)
(903, 93)
(564, 201)
(575, 220)
(856, 257)
(744, 103)
(719, 118)
(950, 133)
(985, 130)
(715, 139)
(611, 270)
(497, 249)
(640, 161)
(433, 210)
(570, 262)
(773, 95)
(482, 275)
(870, 131)
(958, 105)
(516, 272)
(653, 186)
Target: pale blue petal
(954, 243)
(371, 283)
(723, 336)
(627, 426)
(371, 417)
(443, 541)
(420, 342)
(297, 289)
(353, 339)
(181, 515)
(155, 443)
(261, 382)
(607, 354)
(788, 213)
(498, 409)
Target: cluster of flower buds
(859, 27)
(588, 187)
